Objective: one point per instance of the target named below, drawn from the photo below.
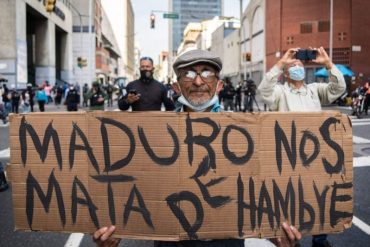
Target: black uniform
(72, 100)
(152, 95)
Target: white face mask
(202, 107)
(198, 108)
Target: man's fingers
(99, 232)
(108, 233)
(297, 234)
(288, 231)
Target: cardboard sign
(174, 176)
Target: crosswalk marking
(362, 225)
(360, 140)
(362, 161)
(5, 153)
(74, 240)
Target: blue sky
(153, 41)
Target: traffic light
(152, 21)
(50, 5)
(81, 62)
(248, 57)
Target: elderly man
(145, 94)
(199, 84)
(296, 95)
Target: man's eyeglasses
(205, 75)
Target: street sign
(171, 16)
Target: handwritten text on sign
(182, 176)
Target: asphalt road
(357, 235)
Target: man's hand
(102, 237)
(323, 58)
(288, 58)
(131, 98)
(290, 240)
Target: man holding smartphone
(296, 95)
(146, 93)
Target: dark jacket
(152, 95)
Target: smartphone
(132, 91)
(306, 55)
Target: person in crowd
(238, 96)
(109, 90)
(6, 99)
(26, 98)
(367, 97)
(85, 89)
(199, 85)
(31, 93)
(3, 115)
(249, 95)
(73, 99)
(3, 183)
(58, 92)
(48, 90)
(146, 93)
(96, 96)
(15, 97)
(228, 95)
(42, 98)
(296, 95)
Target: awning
(342, 68)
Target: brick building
(304, 23)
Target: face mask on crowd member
(296, 73)
(146, 69)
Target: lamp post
(331, 31)
(240, 36)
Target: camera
(133, 91)
(306, 55)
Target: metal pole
(240, 37)
(331, 31)
(92, 42)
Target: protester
(15, 98)
(238, 97)
(58, 91)
(3, 183)
(199, 84)
(249, 95)
(25, 101)
(146, 93)
(73, 99)
(228, 95)
(96, 96)
(48, 90)
(109, 90)
(6, 100)
(31, 94)
(42, 98)
(367, 97)
(85, 89)
(296, 95)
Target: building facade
(37, 44)
(190, 11)
(123, 26)
(306, 23)
(253, 41)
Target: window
(306, 27)
(290, 40)
(324, 26)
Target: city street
(357, 235)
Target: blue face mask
(296, 73)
